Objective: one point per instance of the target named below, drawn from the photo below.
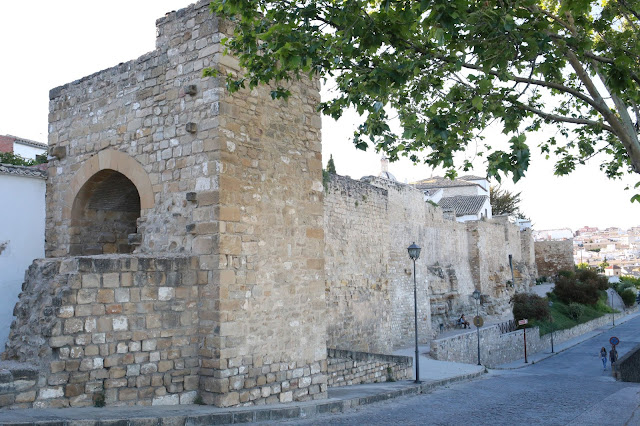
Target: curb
(304, 411)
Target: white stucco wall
(22, 217)
(467, 218)
(464, 190)
(26, 151)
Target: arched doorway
(104, 212)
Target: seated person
(463, 322)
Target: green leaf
(477, 103)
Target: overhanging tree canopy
(449, 68)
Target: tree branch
(555, 117)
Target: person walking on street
(603, 356)
(613, 356)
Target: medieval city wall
(554, 256)
(490, 245)
(232, 181)
(369, 276)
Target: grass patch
(562, 319)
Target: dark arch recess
(104, 213)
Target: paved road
(569, 388)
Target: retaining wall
(628, 366)
(497, 348)
(347, 368)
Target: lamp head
(414, 251)
(476, 294)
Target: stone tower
(184, 235)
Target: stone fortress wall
(231, 182)
(240, 268)
(369, 276)
(554, 256)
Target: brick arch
(111, 160)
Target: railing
(508, 326)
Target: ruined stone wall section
(121, 327)
(356, 266)
(143, 108)
(409, 219)
(491, 245)
(368, 226)
(554, 256)
(528, 250)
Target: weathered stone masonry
(369, 276)
(231, 182)
(192, 250)
(554, 256)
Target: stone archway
(104, 200)
(104, 213)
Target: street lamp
(551, 317)
(613, 312)
(414, 254)
(476, 295)
(513, 278)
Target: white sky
(46, 44)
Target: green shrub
(631, 280)
(602, 304)
(576, 310)
(628, 296)
(530, 306)
(582, 286)
(622, 286)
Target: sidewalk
(433, 374)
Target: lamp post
(476, 295)
(414, 254)
(513, 278)
(613, 312)
(551, 317)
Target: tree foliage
(331, 167)
(582, 286)
(530, 306)
(447, 69)
(17, 160)
(504, 202)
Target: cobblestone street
(569, 388)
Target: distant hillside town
(613, 250)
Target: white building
(467, 196)
(22, 222)
(25, 148)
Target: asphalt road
(569, 388)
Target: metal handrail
(508, 326)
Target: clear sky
(46, 44)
